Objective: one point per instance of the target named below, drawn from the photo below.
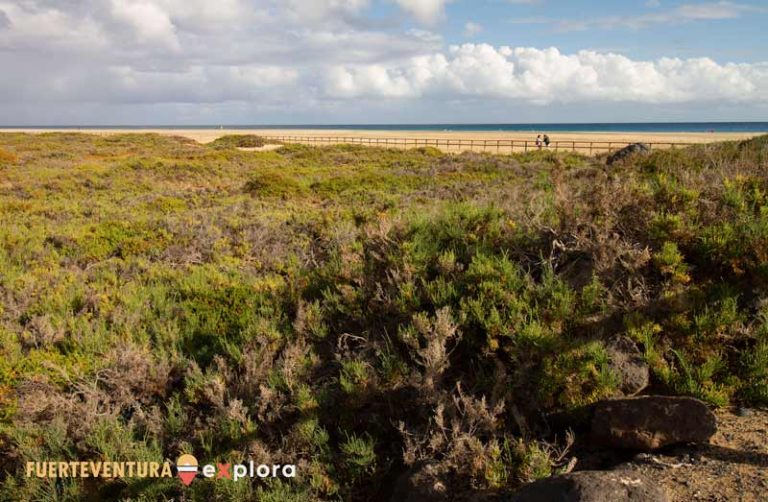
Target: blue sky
(363, 61)
(731, 34)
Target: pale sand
(561, 140)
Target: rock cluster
(628, 151)
(651, 422)
(591, 486)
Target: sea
(646, 127)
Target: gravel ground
(733, 467)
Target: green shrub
(238, 141)
(274, 184)
(700, 380)
(577, 376)
(359, 454)
(353, 377)
(754, 362)
(671, 264)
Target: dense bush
(238, 141)
(359, 311)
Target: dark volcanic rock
(627, 362)
(591, 486)
(651, 422)
(628, 151)
(422, 483)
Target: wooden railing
(475, 145)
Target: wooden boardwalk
(474, 145)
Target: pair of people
(542, 141)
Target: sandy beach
(493, 141)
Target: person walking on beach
(538, 141)
(546, 140)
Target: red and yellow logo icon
(186, 466)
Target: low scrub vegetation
(7, 158)
(358, 311)
(238, 141)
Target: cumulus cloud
(81, 49)
(88, 58)
(544, 76)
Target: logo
(186, 466)
(187, 469)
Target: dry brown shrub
(79, 408)
(40, 332)
(133, 373)
(7, 158)
(432, 356)
(457, 434)
(256, 363)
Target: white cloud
(544, 76)
(205, 14)
(88, 58)
(198, 84)
(719, 10)
(425, 11)
(42, 27)
(472, 29)
(684, 13)
(149, 21)
(316, 11)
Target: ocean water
(596, 127)
(672, 127)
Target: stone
(648, 423)
(628, 151)
(626, 360)
(591, 486)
